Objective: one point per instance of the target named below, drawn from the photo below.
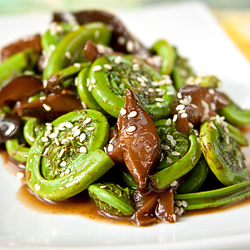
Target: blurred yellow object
(237, 25)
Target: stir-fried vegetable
(97, 102)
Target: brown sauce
(81, 204)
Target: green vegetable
(83, 91)
(235, 115)
(16, 64)
(112, 199)
(168, 175)
(55, 34)
(222, 153)
(16, 150)
(195, 178)
(167, 53)
(108, 87)
(62, 56)
(216, 198)
(179, 143)
(181, 71)
(32, 128)
(59, 169)
(65, 77)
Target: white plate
(194, 30)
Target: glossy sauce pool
(81, 204)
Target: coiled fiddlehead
(67, 157)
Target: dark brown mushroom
(33, 42)
(50, 108)
(20, 89)
(9, 125)
(196, 104)
(121, 40)
(137, 143)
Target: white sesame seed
(47, 133)
(170, 137)
(52, 47)
(175, 118)
(75, 128)
(44, 139)
(46, 107)
(173, 184)
(130, 46)
(68, 55)
(83, 149)
(107, 66)
(53, 135)
(180, 212)
(180, 107)
(175, 153)
(139, 79)
(69, 125)
(130, 129)
(213, 106)
(37, 187)
(158, 104)
(132, 114)
(136, 67)
(70, 138)
(168, 122)
(190, 125)
(145, 79)
(87, 121)
(90, 128)
(212, 125)
(64, 141)
(165, 147)
(46, 151)
(184, 203)
(110, 148)
(159, 100)
(184, 115)
(20, 175)
(67, 171)
(178, 203)
(173, 142)
(45, 83)
(162, 82)
(77, 132)
(193, 106)
(211, 91)
(154, 83)
(82, 137)
(97, 68)
(170, 93)
(93, 80)
(61, 153)
(63, 164)
(123, 111)
(121, 40)
(174, 217)
(176, 209)
(62, 174)
(78, 65)
(179, 95)
(118, 60)
(181, 111)
(76, 81)
(169, 160)
(61, 128)
(57, 142)
(151, 90)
